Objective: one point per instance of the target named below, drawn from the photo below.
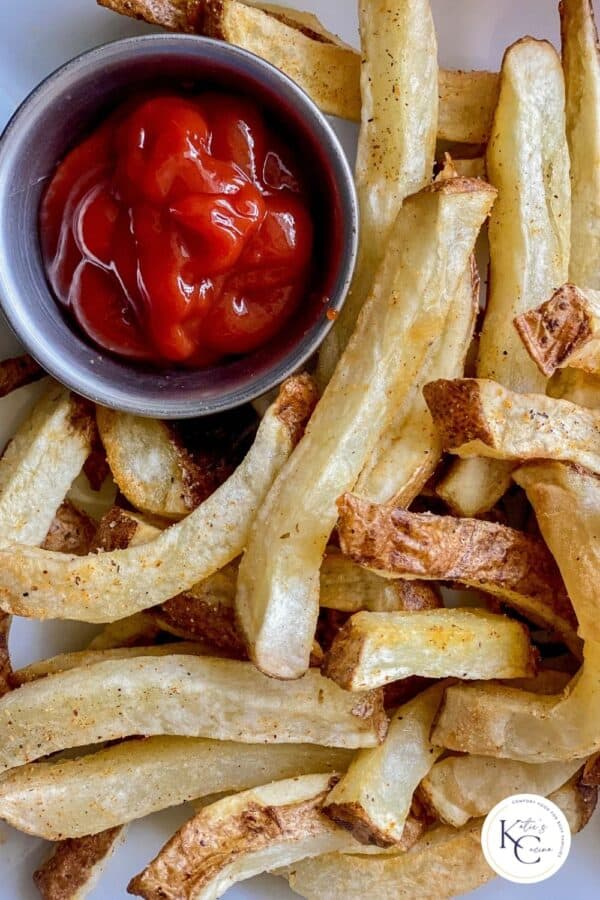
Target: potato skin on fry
(74, 866)
(72, 531)
(17, 372)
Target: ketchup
(180, 230)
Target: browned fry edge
(353, 818)
(344, 656)
(455, 407)
(591, 771)
(556, 328)
(72, 531)
(5, 664)
(297, 399)
(18, 371)
(72, 863)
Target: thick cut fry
(72, 531)
(501, 561)
(278, 586)
(498, 721)
(373, 649)
(460, 788)
(75, 866)
(168, 469)
(577, 386)
(477, 417)
(73, 797)
(444, 863)
(373, 799)
(137, 630)
(581, 66)
(566, 502)
(409, 452)
(109, 586)
(241, 836)
(326, 68)
(39, 464)
(63, 662)
(528, 162)
(396, 144)
(17, 372)
(181, 695)
(563, 331)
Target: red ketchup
(179, 231)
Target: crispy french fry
(581, 66)
(373, 649)
(396, 143)
(477, 417)
(566, 502)
(134, 778)
(373, 799)
(490, 720)
(444, 863)
(460, 788)
(326, 68)
(17, 372)
(39, 464)
(527, 160)
(76, 659)
(563, 331)
(509, 564)
(179, 695)
(109, 586)
(72, 531)
(5, 664)
(241, 836)
(591, 771)
(75, 865)
(408, 453)
(278, 586)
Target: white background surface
(36, 36)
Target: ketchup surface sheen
(179, 231)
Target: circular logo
(526, 838)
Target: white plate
(36, 36)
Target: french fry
(577, 386)
(17, 372)
(490, 720)
(74, 797)
(527, 160)
(109, 586)
(5, 663)
(477, 417)
(242, 836)
(373, 799)
(39, 464)
(74, 867)
(326, 68)
(566, 502)
(71, 531)
(444, 863)
(460, 788)
(136, 630)
(178, 695)
(76, 659)
(278, 585)
(591, 771)
(373, 649)
(563, 331)
(396, 143)
(408, 454)
(506, 563)
(581, 67)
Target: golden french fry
(478, 417)
(278, 586)
(137, 630)
(581, 67)
(577, 386)
(527, 160)
(373, 649)
(396, 144)
(137, 777)
(509, 564)
(373, 799)
(179, 695)
(460, 788)
(242, 836)
(109, 586)
(491, 720)
(326, 68)
(566, 502)
(75, 865)
(563, 331)
(444, 863)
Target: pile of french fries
(275, 649)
